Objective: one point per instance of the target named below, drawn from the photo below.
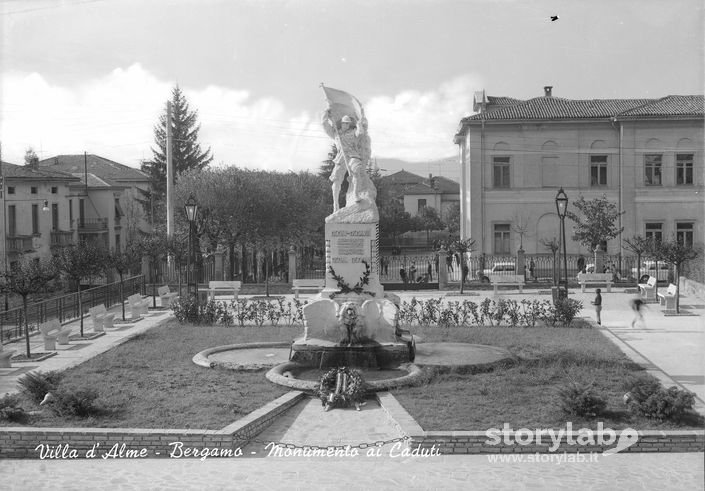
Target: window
(33, 190)
(684, 233)
(55, 216)
(35, 219)
(500, 172)
(501, 238)
(119, 213)
(421, 205)
(117, 243)
(11, 190)
(81, 212)
(652, 169)
(684, 168)
(12, 220)
(598, 170)
(653, 231)
(54, 190)
(70, 214)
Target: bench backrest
(506, 278)
(652, 281)
(136, 298)
(595, 277)
(163, 290)
(97, 310)
(224, 285)
(671, 289)
(49, 326)
(310, 283)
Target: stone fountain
(352, 322)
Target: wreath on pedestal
(341, 387)
(344, 287)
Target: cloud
(114, 116)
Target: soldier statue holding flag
(344, 121)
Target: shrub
(641, 388)
(566, 310)
(580, 400)
(671, 404)
(188, 309)
(10, 409)
(35, 385)
(79, 403)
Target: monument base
(369, 355)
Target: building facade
(417, 192)
(644, 155)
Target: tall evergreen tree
(186, 151)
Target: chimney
(547, 91)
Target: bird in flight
(554, 18)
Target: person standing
(598, 306)
(532, 267)
(429, 271)
(636, 304)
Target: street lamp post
(562, 208)
(191, 208)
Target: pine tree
(186, 154)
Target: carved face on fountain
(351, 321)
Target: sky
(95, 75)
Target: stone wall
(107, 443)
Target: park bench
(138, 306)
(53, 333)
(166, 295)
(648, 289)
(101, 318)
(222, 288)
(315, 285)
(595, 278)
(5, 356)
(668, 299)
(498, 280)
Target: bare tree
(520, 225)
(552, 245)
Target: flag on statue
(341, 104)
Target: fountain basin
(326, 354)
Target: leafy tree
(453, 218)
(429, 220)
(30, 157)
(79, 262)
(152, 246)
(552, 245)
(186, 151)
(675, 252)
(394, 221)
(123, 262)
(597, 223)
(639, 245)
(28, 276)
(461, 247)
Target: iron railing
(65, 307)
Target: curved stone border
(276, 375)
(201, 358)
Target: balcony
(20, 244)
(59, 238)
(92, 225)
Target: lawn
(524, 394)
(151, 382)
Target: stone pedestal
(352, 249)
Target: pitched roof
(415, 184)
(95, 181)
(97, 165)
(27, 172)
(672, 105)
(402, 177)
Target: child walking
(598, 306)
(636, 305)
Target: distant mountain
(446, 167)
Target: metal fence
(65, 307)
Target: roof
(556, 108)
(12, 171)
(95, 181)
(415, 184)
(94, 164)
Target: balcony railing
(93, 225)
(20, 244)
(59, 238)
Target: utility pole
(169, 174)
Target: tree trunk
(80, 306)
(678, 287)
(26, 324)
(122, 297)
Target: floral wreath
(344, 287)
(341, 387)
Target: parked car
(649, 268)
(498, 268)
